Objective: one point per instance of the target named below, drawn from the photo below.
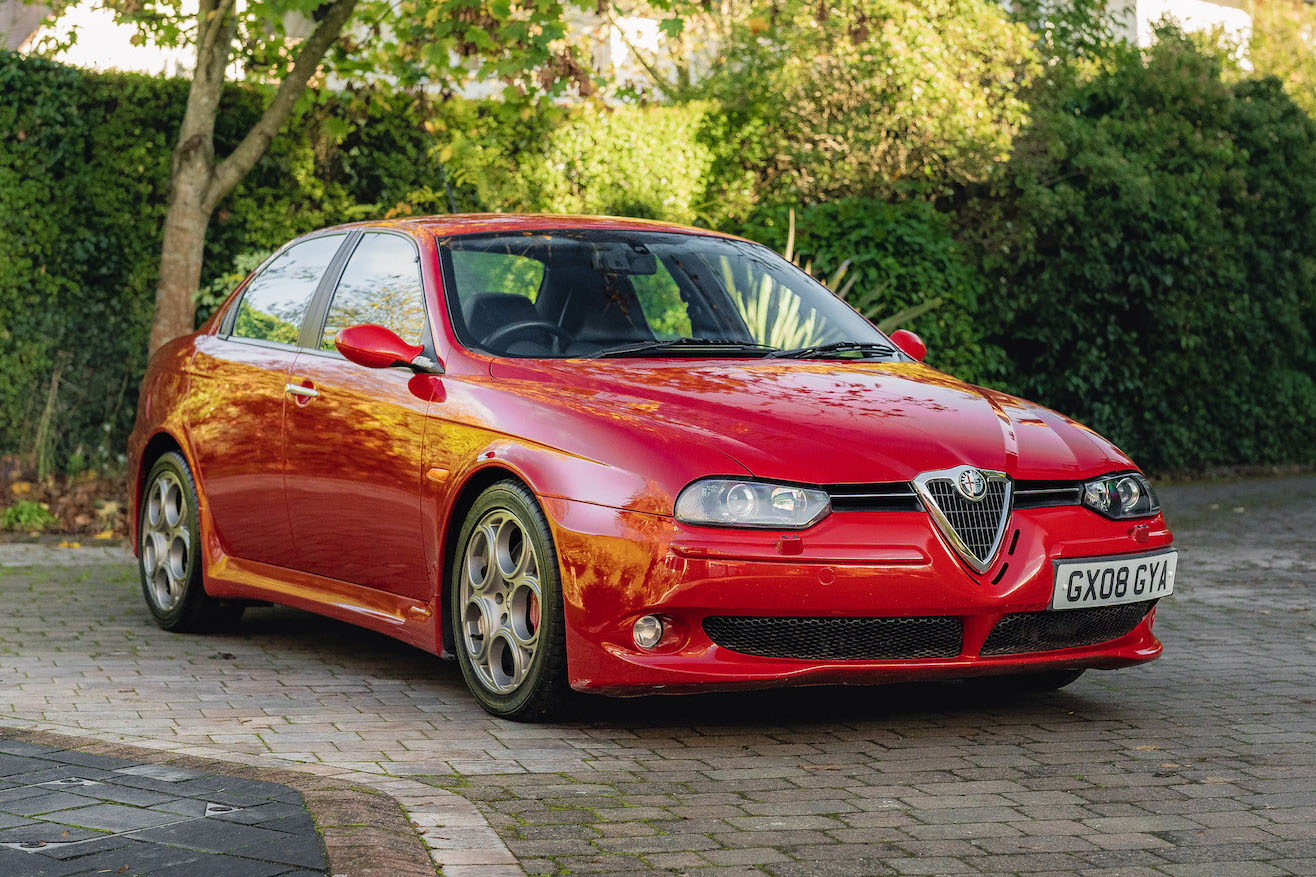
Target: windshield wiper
(868, 348)
(688, 343)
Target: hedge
(902, 258)
(1152, 251)
(1144, 261)
(83, 176)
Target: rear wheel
(505, 595)
(1027, 683)
(168, 556)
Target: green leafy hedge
(83, 173)
(636, 161)
(1144, 261)
(1153, 250)
(902, 258)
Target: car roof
(473, 223)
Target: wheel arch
(159, 444)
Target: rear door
(236, 406)
(354, 447)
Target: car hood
(828, 422)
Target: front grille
(1047, 494)
(843, 639)
(1063, 628)
(889, 496)
(977, 523)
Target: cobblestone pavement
(64, 813)
(1201, 762)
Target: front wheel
(169, 549)
(505, 595)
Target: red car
(623, 457)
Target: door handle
(299, 390)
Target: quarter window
(380, 285)
(275, 302)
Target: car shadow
(368, 653)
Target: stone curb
(428, 830)
(45, 554)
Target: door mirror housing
(909, 343)
(379, 347)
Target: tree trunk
(196, 183)
(180, 254)
(190, 175)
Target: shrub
(902, 255)
(862, 98)
(26, 516)
(83, 160)
(1283, 45)
(1150, 245)
(626, 161)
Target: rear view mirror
(376, 347)
(623, 259)
(910, 344)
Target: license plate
(1110, 581)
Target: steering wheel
(526, 327)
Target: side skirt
(400, 617)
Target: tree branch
(210, 20)
(233, 168)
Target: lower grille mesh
(852, 639)
(1063, 629)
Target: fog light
(648, 630)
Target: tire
(168, 553)
(510, 640)
(1027, 683)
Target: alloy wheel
(500, 598)
(166, 540)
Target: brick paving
(1201, 762)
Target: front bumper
(619, 565)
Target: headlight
(734, 502)
(1121, 496)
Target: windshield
(584, 293)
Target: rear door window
(276, 300)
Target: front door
(353, 437)
(236, 403)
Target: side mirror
(910, 343)
(377, 347)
